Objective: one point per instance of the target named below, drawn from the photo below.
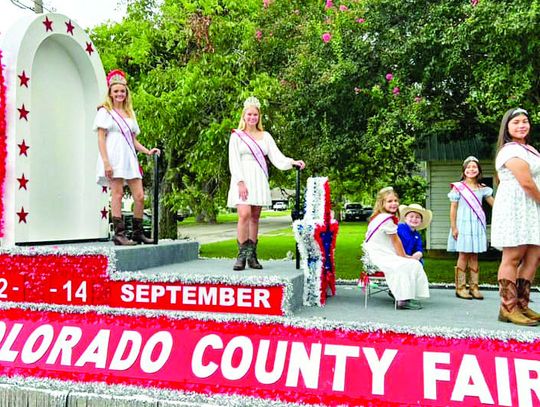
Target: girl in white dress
(515, 226)
(404, 274)
(117, 162)
(249, 190)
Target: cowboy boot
(252, 255)
(523, 295)
(138, 232)
(240, 263)
(461, 284)
(509, 311)
(120, 238)
(473, 284)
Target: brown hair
(504, 134)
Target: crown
(252, 101)
(469, 159)
(116, 76)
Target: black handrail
(155, 202)
(297, 213)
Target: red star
(23, 148)
(22, 182)
(104, 189)
(23, 113)
(22, 215)
(48, 24)
(89, 48)
(104, 213)
(24, 79)
(69, 27)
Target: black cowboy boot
(120, 238)
(252, 255)
(138, 233)
(240, 263)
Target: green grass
(226, 217)
(280, 244)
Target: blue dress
(411, 240)
(471, 234)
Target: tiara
(252, 101)
(386, 189)
(469, 159)
(519, 110)
(116, 76)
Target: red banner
(270, 360)
(64, 279)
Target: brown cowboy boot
(240, 263)
(120, 238)
(138, 232)
(461, 284)
(523, 295)
(252, 255)
(473, 284)
(509, 311)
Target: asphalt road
(226, 231)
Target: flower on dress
(389, 76)
(395, 91)
(326, 37)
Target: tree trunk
(168, 227)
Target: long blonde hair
(242, 123)
(379, 201)
(127, 104)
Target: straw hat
(426, 214)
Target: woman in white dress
(117, 162)
(249, 190)
(404, 274)
(515, 226)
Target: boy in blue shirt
(412, 219)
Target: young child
(468, 226)
(404, 275)
(413, 218)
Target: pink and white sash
(527, 147)
(472, 200)
(254, 148)
(375, 224)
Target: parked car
(280, 206)
(356, 211)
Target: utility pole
(38, 6)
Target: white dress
(516, 216)
(244, 167)
(405, 276)
(121, 155)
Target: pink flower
(474, 2)
(329, 4)
(389, 76)
(258, 35)
(343, 7)
(357, 90)
(326, 37)
(417, 99)
(395, 91)
(360, 20)
(266, 3)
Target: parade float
(89, 323)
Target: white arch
(66, 84)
